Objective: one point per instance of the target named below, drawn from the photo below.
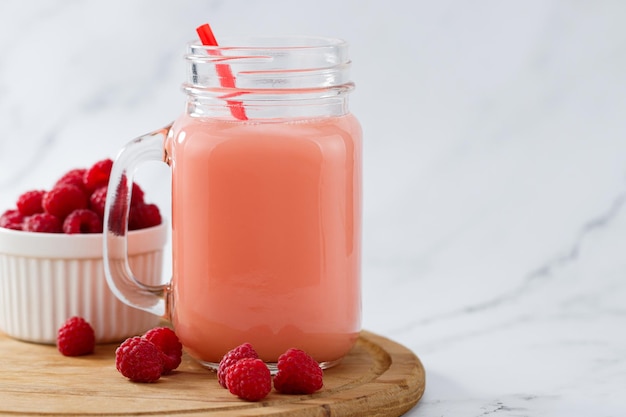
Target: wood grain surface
(378, 377)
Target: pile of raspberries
(75, 204)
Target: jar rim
(280, 42)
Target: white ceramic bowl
(46, 278)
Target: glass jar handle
(119, 276)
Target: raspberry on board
(76, 337)
(29, 203)
(73, 177)
(42, 223)
(82, 221)
(143, 216)
(166, 340)
(249, 379)
(98, 174)
(11, 219)
(245, 350)
(64, 199)
(298, 373)
(139, 360)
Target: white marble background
(495, 167)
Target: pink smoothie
(267, 237)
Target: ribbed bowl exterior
(38, 294)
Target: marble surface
(495, 168)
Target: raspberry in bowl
(51, 264)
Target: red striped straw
(227, 80)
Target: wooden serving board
(377, 378)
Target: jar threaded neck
(272, 77)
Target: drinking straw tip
(206, 35)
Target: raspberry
(42, 223)
(143, 215)
(73, 177)
(139, 360)
(249, 379)
(64, 199)
(137, 195)
(298, 373)
(98, 174)
(242, 351)
(166, 340)
(30, 202)
(11, 219)
(97, 200)
(76, 337)
(82, 221)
